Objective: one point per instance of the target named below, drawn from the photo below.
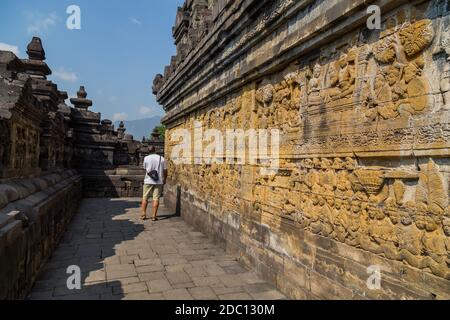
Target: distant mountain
(140, 128)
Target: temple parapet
(51, 154)
(21, 118)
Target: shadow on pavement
(91, 242)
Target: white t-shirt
(151, 163)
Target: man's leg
(145, 201)
(156, 197)
(155, 208)
(144, 208)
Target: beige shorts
(152, 190)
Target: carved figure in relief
(394, 76)
(326, 220)
(350, 163)
(339, 231)
(435, 254)
(34, 145)
(347, 75)
(314, 87)
(369, 181)
(365, 240)
(399, 191)
(303, 82)
(21, 148)
(282, 93)
(382, 231)
(416, 37)
(265, 95)
(343, 185)
(431, 195)
(315, 178)
(328, 181)
(401, 51)
(446, 222)
(445, 86)
(333, 91)
(387, 92)
(445, 77)
(353, 224)
(416, 88)
(412, 39)
(293, 100)
(338, 164)
(295, 84)
(385, 50)
(410, 243)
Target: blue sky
(120, 47)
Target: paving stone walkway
(121, 257)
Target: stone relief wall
(365, 168)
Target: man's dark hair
(152, 150)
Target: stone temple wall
(364, 120)
(51, 155)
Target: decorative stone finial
(121, 131)
(35, 50)
(107, 126)
(80, 102)
(82, 94)
(158, 82)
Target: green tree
(161, 129)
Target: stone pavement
(122, 257)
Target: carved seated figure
(314, 97)
(416, 88)
(333, 91)
(371, 101)
(386, 92)
(445, 86)
(346, 77)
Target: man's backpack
(154, 174)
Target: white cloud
(65, 75)
(122, 116)
(9, 47)
(112, 99)
(150, 111)
(40, 24)
(135, 21)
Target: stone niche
(364, 165)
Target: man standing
(155, 178)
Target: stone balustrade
(51, 155)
